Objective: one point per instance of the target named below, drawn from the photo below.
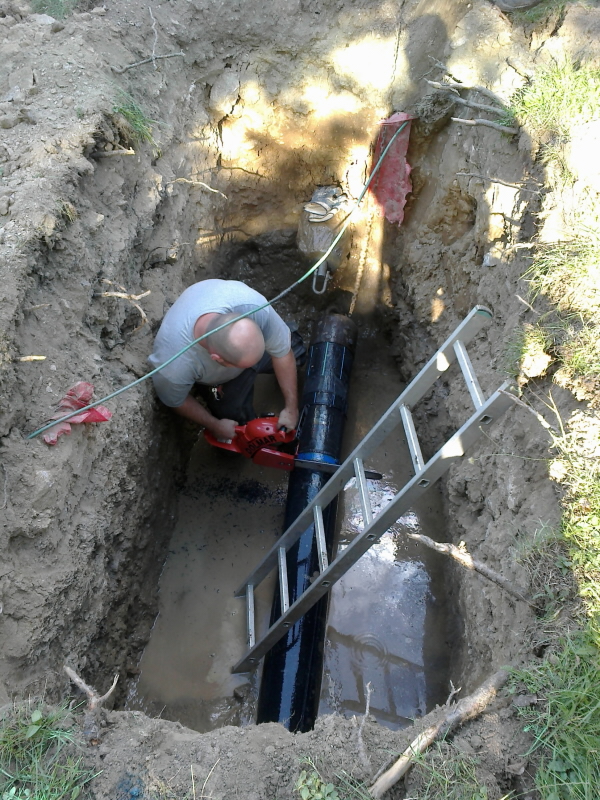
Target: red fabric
(78, 396)
(392, 183)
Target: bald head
(240, 344)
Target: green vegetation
(564, 564)
(564, 719)
(68, 211)
(58, 9)
(38, 754)
(540, 12)
(311, 786)
(526, 352)
(445, 773)
(139, 124)
(545, 557)
(561, 97)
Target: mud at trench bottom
(387, 619)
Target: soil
(259, 109)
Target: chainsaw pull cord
(282, 294)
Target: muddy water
(230, 513)
(388, 618)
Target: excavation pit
(97, 242)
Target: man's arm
(195, 411)
(287, 378)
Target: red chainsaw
(258, 440)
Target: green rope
(315, 266)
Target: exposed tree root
(466, 560)
(91, 722)
(462, 711)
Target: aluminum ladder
(486, 412)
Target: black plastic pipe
(292, 672)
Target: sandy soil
(260, 108)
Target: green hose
(315, 266)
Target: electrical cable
(276, 299)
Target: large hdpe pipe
(291, 677)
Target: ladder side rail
(445, 356)
(438, 364)
(453, 450)
(250, 621)
(283, 580)
(321, 541)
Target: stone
(42, 19)
(9, 121)
(224, 93)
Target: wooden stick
(121, 70)
(94, 699)
(466, 560)
(198, 183)
(109, 153)
(480, 106)
(486, 123)
(456, 98)
(497, 180)
(481, 89)
(465, 709)
(91, 724)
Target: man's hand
(288, 418)
(223, 429)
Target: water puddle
(389, 622)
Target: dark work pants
(235, 399)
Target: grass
(526, 352)
(565, 720)
(545, 556)
(541, 11)
(138, 122)
(564, 564)
(562, 96)
(38, 754)
(58, 9)
(446, 773)
(568, 273)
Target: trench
(250, 129)
(391, 617)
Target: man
(226, 363)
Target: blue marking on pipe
(318, 457)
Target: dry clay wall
(258, 110)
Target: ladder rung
(412, 440)
(250, 615)
(413, 393)
(437, 465)
(467, 370)
(363, 492)
(283, 580)
(320, 536)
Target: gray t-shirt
(173, 383)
